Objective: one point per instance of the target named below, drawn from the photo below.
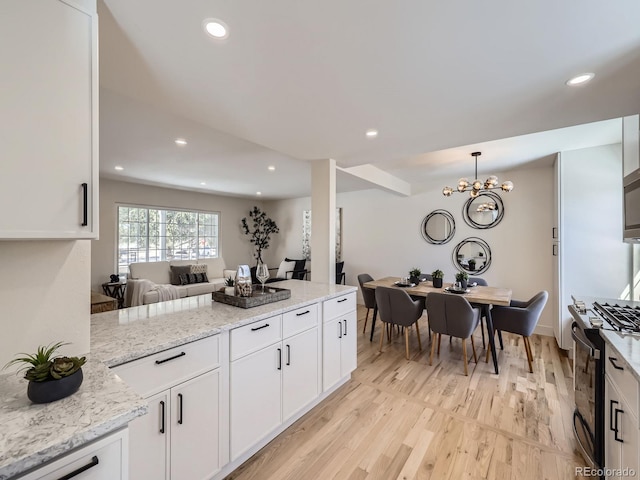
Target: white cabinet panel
(300, 372)
(348, 344)
(149, 436)
(331, 348)
(48, 120)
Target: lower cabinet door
(149, 440)
(300, 371)
(348, 345)
(255, 397)
(331, 346)
(195, 424)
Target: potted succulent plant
(436, 278)
(414, 275)
(229, 286)
(461, 278)
(50, 378)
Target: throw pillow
(176, 271)
(199, 268)
(190, 278)
(284, 268)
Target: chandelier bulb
(447, 191)
(477, 185)
(507, 186)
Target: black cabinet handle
(260, 328)
(279, 359)
(611, 403)
(180, 402)
(554, 232)
(613, 362)
(345, 327)
(288, 354)
(303, 313)
(181, 354)
(554, 250)
(343, 300)
(162, 416)
(340, 329)
(94, 461)
(85, 205)
(615, 432)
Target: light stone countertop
(626, 346)
(32, 434)
(121, 336)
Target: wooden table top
(478, 294)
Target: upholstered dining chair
(483, 283)
(395, 307)
(368, 295)
(340, 275)
(520, 318)
(452, 315)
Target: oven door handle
(579, 337)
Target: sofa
(152, 282)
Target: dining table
(483, 296)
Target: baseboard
(544, 330)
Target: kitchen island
(124, 343)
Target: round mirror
(472, 255)
(438, 227)
(484, 211)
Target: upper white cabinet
(48, 119)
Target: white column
(323, 221)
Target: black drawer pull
(162, 413)
(343, 300)
(180, 402)
(302, 313)
(181, 354)
(260, 328)
(85, 205)
(94, 461)
(613, 362)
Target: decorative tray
(271, 294)
(405, 285)
(455, 290)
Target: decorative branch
(263, 228)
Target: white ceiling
(299, 81)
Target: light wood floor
(404, 419)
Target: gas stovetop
(625, 318)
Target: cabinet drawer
(338, 306)
(255, 336)
(299, 320)
(104, 459)
(623, 379)
(162, 370)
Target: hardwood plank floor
(403, 419)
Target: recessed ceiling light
(580, 79)
(216, 28)
(203, 183)
(258, 193)
(119, 168)
(181, 141)
(271, 168)
(371, 133)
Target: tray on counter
(271, 294)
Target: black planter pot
(415, 280)
(437, 282)
(52, 390)
(463, 284)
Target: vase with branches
(262, 227)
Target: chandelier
(476, 187)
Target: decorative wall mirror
(472, 255)
(438, 227)
(484, 211)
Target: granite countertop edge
(626, 346)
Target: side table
(115, 290)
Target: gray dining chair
(368, 295)
(520, 318)
(483, 283)
(395, 307)
(452, 315)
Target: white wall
(381, 234)
(44, 296)
(234, 244)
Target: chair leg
(406, 341)
(433, 347)
(464, 356)
(366, 318)
(439, 340)
(484, 345)
(473, 347)
(418, 334)
(381, 340)
(527, 347)
(500, 338)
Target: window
(147, 234)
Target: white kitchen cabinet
(339, 340)
(180, 437)
(104, 459)
(621, 430)
(271, 385)
(48, 119)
